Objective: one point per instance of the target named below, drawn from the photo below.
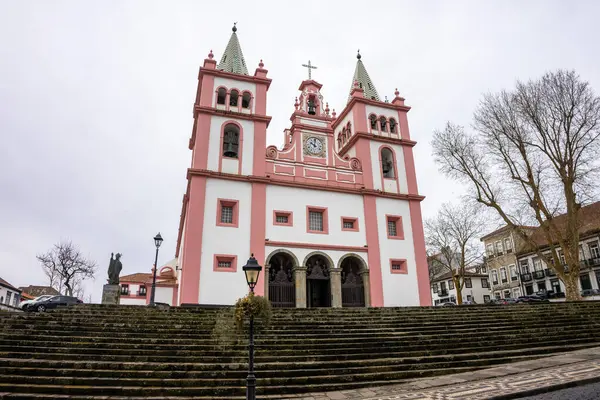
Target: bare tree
(533, 156)
(66, 264)
(452, 238)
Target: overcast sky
(96, 98)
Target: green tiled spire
(364, 81)
(233, 59)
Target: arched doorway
(353, 291)
(318, 288)
(282, 291)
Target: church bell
(230, 151)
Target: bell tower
(228, 141)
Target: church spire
(233, 59)
(364, 81)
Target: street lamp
(157, 242)
(252, 271)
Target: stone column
(367, 287)
(266, 280)
(300, 282)
(335, 275)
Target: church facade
(334, 215)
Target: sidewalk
(509, 381)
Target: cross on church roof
(310, 68)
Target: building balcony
(550, 272)
(442, 293)
(514, 278)
(539, 274)
(526, 277)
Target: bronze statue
(114, 269)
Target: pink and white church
(334, 216)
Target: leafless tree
(532, 156)
(65, 263)
(452, 238)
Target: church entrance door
(282, 291)
(353, 291)
(318, 288)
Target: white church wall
(214, 144)
(282, 198)
(220, 287)
(398, 289)
(234, 84)
(133, 302)
(164, 295)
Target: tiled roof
(364, 81)
(8, 285)
(139, 277)
(233, 59)
(467, 274)
(36, 291)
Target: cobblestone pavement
(586, 392)
(501, 382)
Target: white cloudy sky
(96, 97)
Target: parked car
(554, 295)
(505, 301)
(468, 303)
(590, 292)
(53, 302)
(447, 304)
(25, 303)
(531, 299)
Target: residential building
(136, 289)
(537, 277)
(9, 295)
(36, 291)
(476, 287)
(334, 215)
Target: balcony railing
(514, 278)
(442, 293)
(550, 272)
(504, 280)
(526, 277)
(539, 274)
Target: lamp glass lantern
(252, 270)
(158, 240)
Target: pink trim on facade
(395, 165)
(315, 173)
(200, 148)
(258, 229)
(262, 80)
(398, 261)
(217, 258)
(325, 214)
(316, 160)
(416, 222)
(284, 169)
(354, 221)
(236, 209)
(399, 226)
(317, 246)
(374, 253)
(192, 242)
(240, 145)
(288, 214)
(409, 168)
(174, 299)
(362, 100)
(403, 125)
(375, 138)
(344, 178)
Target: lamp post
(157, 242)
(252, 271)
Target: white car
(23, 304)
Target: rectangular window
(468, 283)
(283, 218)
(399, 267)
(485, 283)
(524, 267)
(494, 277)
(483, 269)
(394, 227)
(561, 255)
(125, 289)
(516, 293)
(537, 264)
(490, 250)
(499, 247)
(486, 298)
(227, 213)
(8, 295)
(513, 273)
(443, 286)
(435, 287)
(349, 224)
(508, 245)
(142, 291)
(507, 294)
(469, 297)
(497, 295)
(594, 250)
(450, 284)
(316, 220)
(503, 275)
(225, 263)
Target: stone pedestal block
(111, 294)
(300, 282)
(336, 287)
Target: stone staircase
(99, 352)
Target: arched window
(231, 140)
(246, 100)
(344, 134)
(383, 123)
(233, 98)
(349, 129)
(387, 163)
(339, 140)
(221, 94)
(312, 105)
(393, 126)
(373, 119)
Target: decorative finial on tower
(358, 55)
(327, 109)
(234, 29)
(296, 104)
(260, 64)
(397, 93)
(210, 55)
(333, 113)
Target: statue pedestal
(111, 294)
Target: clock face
(314, 146)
